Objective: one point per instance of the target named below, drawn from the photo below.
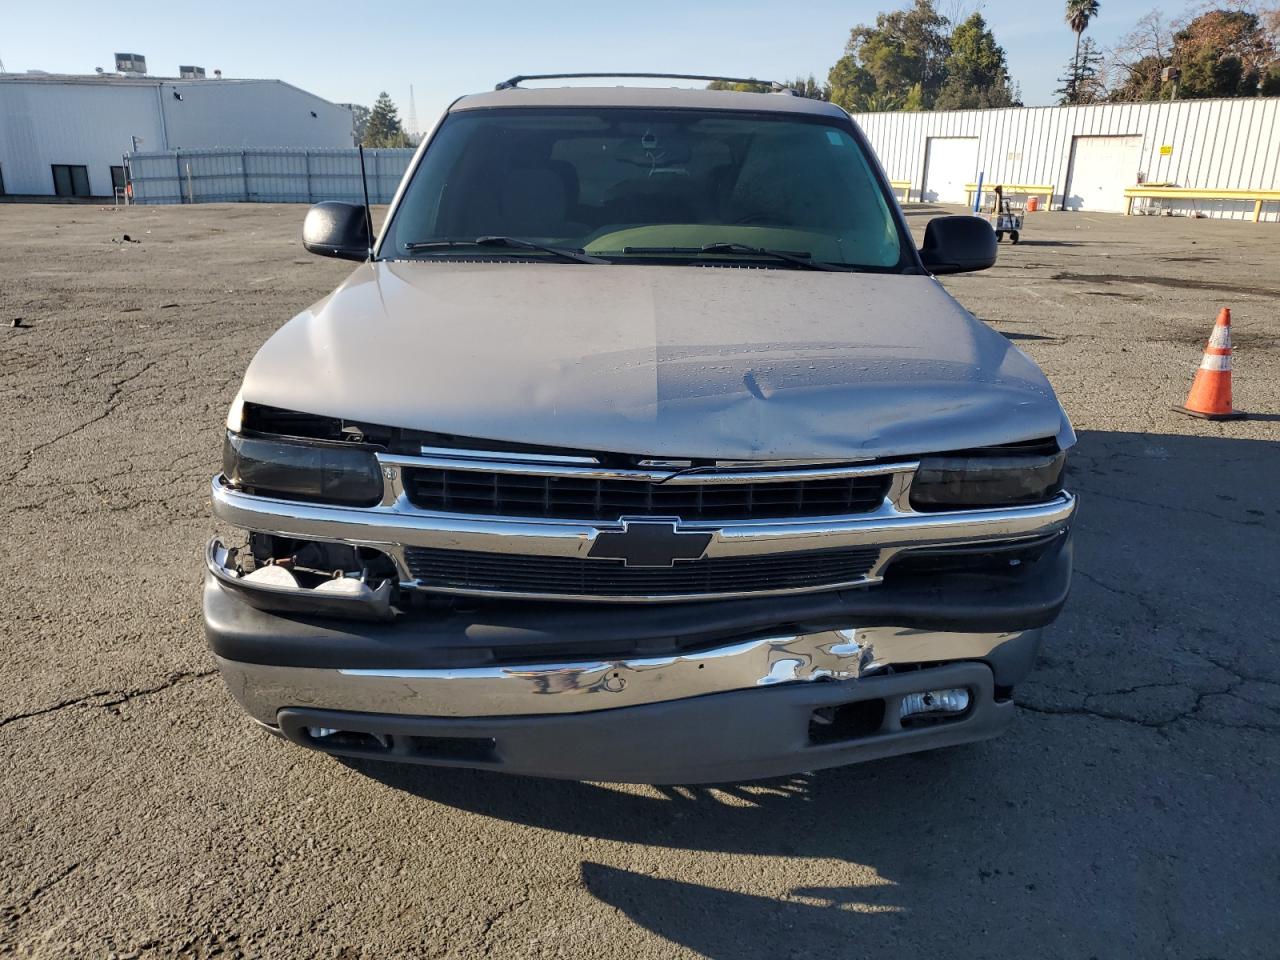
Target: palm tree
(1079, 13)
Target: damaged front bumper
(743, 698)
(750, 734)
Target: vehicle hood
(729, 363)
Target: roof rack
(516, 81)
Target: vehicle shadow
(1063, 838)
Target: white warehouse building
(1083, 158)
(66, 135)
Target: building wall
(44, 124)
(89, 122)
(1213, 144)
(251, 113)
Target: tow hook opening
(407, 746)
(848, 721)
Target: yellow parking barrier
(1022, 189)
(1154, 192)
(904, 186)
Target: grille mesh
(571, 576)
(578, 498)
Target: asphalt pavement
(1132, 811)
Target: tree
(1138, 57)
(805, 86)
(901, 59)
(912, 59)
(809, 87)
(1223, 53)
(751, 86)
(976, 69)
(1271, 77)
(853, 88)
(1219, 53)
(383, 128)
(1078, 16)
(1081, 82)
(359, 119)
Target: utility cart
(1006, 216)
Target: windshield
(634, 185)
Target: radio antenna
(368, 215)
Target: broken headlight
(318, 472)
(948, 483)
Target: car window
(632, 185)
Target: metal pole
(190, 195)
(368, 214)
(977, 194)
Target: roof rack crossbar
(517, 80)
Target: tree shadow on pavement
(1130, 811)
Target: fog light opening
(932, 706)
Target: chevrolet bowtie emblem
(649, 544)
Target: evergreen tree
(1078, 16)
(977, 73)
(1080, 81)
(383, 128)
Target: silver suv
(642, 445)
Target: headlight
(948, 483)
(320, 472)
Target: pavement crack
(111, 698)
(110, 404)
(1256, 524)
(13, 913)
(1190, 715)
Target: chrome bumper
(579, 687)
(396, 524)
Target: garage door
(950, 163)
(1101, 167)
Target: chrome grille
(570, 497)
(467, 571)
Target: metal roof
(653, 97)
(116, 80)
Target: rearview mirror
(958, 245)
(334, 229)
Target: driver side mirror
(334, 229)
(958, 245)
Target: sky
(348, 52)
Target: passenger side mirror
(958, 245)
(334, 229)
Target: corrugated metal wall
(1210, 144)
(83, 125)
(91, 122)
(265, 176)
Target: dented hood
(671, 361)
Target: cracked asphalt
(1132, 811)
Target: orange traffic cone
(1210, 396)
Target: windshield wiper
(801, 258)
(564, 253)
